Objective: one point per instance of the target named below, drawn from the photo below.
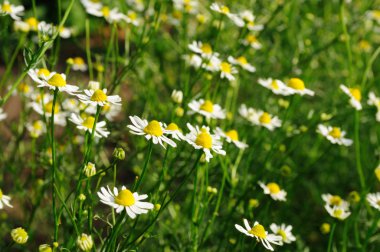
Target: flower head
(337, 212)
(354, 94)
(334, 200)
(259, 117)
(374, 200)
(125, 200)
(52, 80)
(4, 200)
(87, 122)
(98, 97)
(297, 86)
(276, 86)
(334, 134)
(207, 109)
(242, 62)
(285, 231)
(14, 11)
(231, 136)
(19, 235)
(85, 242)
(274, 190)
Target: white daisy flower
(242, 62)
(36, 129)
(249, 20)
(204, 49)
(132, 18)
(44, 106)
(87, 123)
(72, 105)
(335, 200)
(79, 64)
(173, 130)
(226, 11)
(334, 134)
(110, 15)
(260, 118)
(251, 40)
(14, 11)
(297, 86)
(153, 130)
(231, 136)
(285, 231)
(355, 96)
(39, 74)
(201, 138)
(207, 109)
(258, 231)
(374, 101)
(213, 64)
(4, 200)
(52, 81)
(274, 190)
(3, 115)
(337, 212)
(111, 111)
(276, 86)
(50, 29)
(193, 60)
(227, 71)
(125, 200)
(85, 242)
(98, 97)
(189, 6)
(374, 200)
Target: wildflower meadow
(190, 125)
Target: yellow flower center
(233, 135)
(265, 118)
(251, 23)
(282, 233)
(274, 85)
(207, 106)
(251, 39)
(378, 202)
(335, 200)
(89, 122)
(57, 81)
(258, 231)
(172, 126)
(296, 83)
(7, 8)
(273, 188)
(1, 194)
(99, 96)
(154, 128)
(105, 11)
(225, 67)
(106, 108)
(49, 108)
(376, 14)
(242, 60)
(335, 133)
(32, 22)
(206, 48)
(337, 213)
(132, 15)
(125, 198)
(225, 9)
(355, 92)
(78, 61)
(37, 125)
(43, 72)
(204, 139)
(24, 88)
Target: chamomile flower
(111, 111)
(213, 64)
(14, 11)
(258, 231)
(285, 231)
(87, 123)
(297, 86)
(224, 10)
(85, 242)
(36, 129)
(39, 74)
(201, 138)
(132, 18)
(110, 15)
(242, 62)
(355, 96)
(251, 40)
(177, 96)
(374, 101)
(334, 134)
(204, 49)
(78, 64)
(207, 109)
(19, 235)
(173, 130)
(154, 130)
(3, 115)
(50, 30)
(189, 6)
(193, 60)
(227, 71)
(52, 81)
(98, 97)
(274, 190)
(33, 23)
(71, 104)
(231, 136)
(337, 212)
(264, 119)
(276, 86)
(374, 200)
(335, 200)
(4, 200)
(44, 106)
(249, 20)
(125, 200)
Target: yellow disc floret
(105, 11)
(265, 118)
(49, 108)
(273, 188)
(125, 198)
(57, 81)
(204, 139)
(335, 133)
(242, 60)
(207, 106)
(233, 135)
(43, 72)
(274, 85)
(6, 8)
(89, 122)
(154, 128)
(206, 48)
(336, 200)
(296, 83)
(225, 67)
(258, 231)
(172, 126)
(355, 92)
(99, 96)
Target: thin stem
(331, 238)
(145, 166)
(88, 50)
(359, 167)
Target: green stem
(359, 167)
(331, 238)
(88, 50)
(145, 166)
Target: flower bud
(119, 153)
